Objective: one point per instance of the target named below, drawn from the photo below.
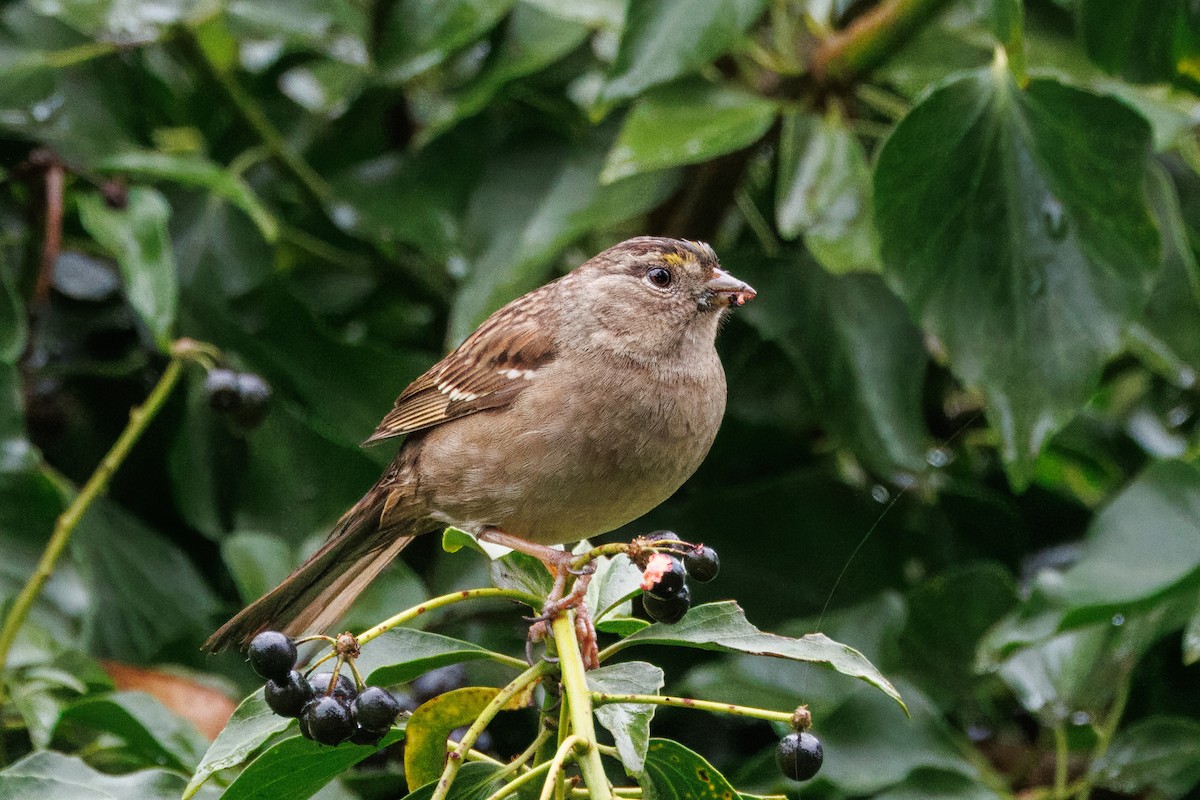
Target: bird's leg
(558, 562)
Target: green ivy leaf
(1042, 248)
(56, 776)
(420, 34)
(665, 39)
(723, 626)
(686, 123)
(136, 236)
(252, 725)
(1158, 754)
(1143, 544)
(629, 723)
(824, 193)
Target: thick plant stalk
(579, 703)
(870, 39)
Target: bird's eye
(659, 276)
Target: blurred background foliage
(963, 411)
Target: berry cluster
(243, 396)
(799, 754)
(667, 561)
(331, 709)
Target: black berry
(363, 736)
(376, 709)
(663, 536)
(288, 697)
(343, 690)
(667, 609)
(254, 398)
(671, 582)
(327, 720)
(438, 681)
(272, 655)
(799, 755)
(702, 563)
(221, 388)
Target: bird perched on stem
(569, 412)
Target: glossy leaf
(666, 39)
(475, 781)
(824, 193)
(402, 654)
(1146, 42)
(252, 725)
(144, 724)
(1144, 543)
(421, 34)
(1159, 754)
(137, 236)
(1044, 248)
(56, 776)
(197, 171)
(298, 768)
(629, 723)
(685, 124)
(723, 626)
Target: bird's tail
(319, 591)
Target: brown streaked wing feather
(488, 370)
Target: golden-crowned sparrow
(570, 411)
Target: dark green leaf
(1144, 42)
(532, 203)
(1162, 336)
(1043, 249)
(145, 592)
(145, 725)
(475, 781)
(1191, 640)
(55, 775)
(336, 28)
(686, 124)
(858, 354)
(824, 193)
(421, 34)
(196, 171)
(629, 723)
(402, 654)
(665, 39)
(1144, 543)
(937, 784)
(251, 726)
(1160, 755)
(297, 768)
(137, 236)
(673, 772)
(122, 22)
(723, 626)
(13, 327)
(258, 562)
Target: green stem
(512, 788)
(455, 758)
(449, 599)
(573, 746)
(785, 717)
(139, 419)
(1062, 756)
(870, 39)
(579, 701)
(70, 56)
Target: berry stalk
(786, 717)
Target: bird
(569, 412)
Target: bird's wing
(488, 370)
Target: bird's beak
(729, 290)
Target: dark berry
(483, 742)
(670, 580)
(799, 755)
(221, 388)
(327, 720)
(702, 563)
(254, 398)
(376, 709)
(288, 697)
(344, 690)
(438, 681)
(272, 655)
(669, 609)
(663, 536)
(363, 736)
